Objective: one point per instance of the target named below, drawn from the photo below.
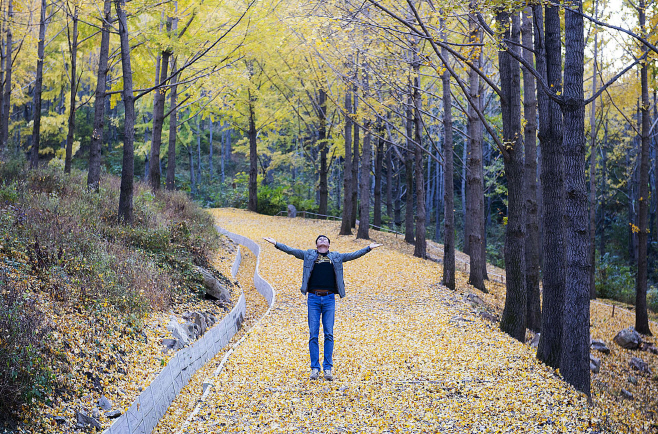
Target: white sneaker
(328, 375)
(314, 374)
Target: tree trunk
(364, 211)
(322, 143)
(532, 247)
(466, 219)
(604, 181)
(355, 160)
(73, 46)
(513, 320)
(128, 166)
(409, 175)
(474, 171)
(93, 177)
(641, 316)
(210, 146)
(574, 364)
(549, 61)
(253, 158)
(158, 119)
(190, 157)
(6, 99)
(38, 85)
(389, 182)
(346, 223)
(448, 175)
(592, 168)
(397, 205)
(198, 148)
(379, 160)
(420, 249)
(173, 129)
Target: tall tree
(379, 161)
(322, 144)
(128, 163)
(513, 320)
(9, 63)
(549, 59)
(73, 49)
(158, 115)
(173, 127)
(355, 153)
(474, 171)
(449, 199)
(641, 316)
(93, 177)
(38, 88)
(253, 155)
(364, 211)
(532, 246)
(409, 172)
(420, 248)
(592, 164)
(574, 364)
(346, 222)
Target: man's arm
(354, 255)
(297, 253)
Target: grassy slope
(78, 291)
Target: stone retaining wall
(145, 412)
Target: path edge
(152, 403)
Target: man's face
(322, 244)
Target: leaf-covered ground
(410, 355)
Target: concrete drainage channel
(145, 412)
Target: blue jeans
(321, 307)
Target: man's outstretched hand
(270, 240)
(374, 246)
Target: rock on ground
(628, 338)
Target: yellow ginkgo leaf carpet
(410, 356)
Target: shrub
(24, 374)
(615, 280)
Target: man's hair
(320, 236)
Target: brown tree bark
(355, 158)
(592, 166)
(574, 364)
(93, 177)
(420, 248)
(346, 222)
(128, 163)
(641, 315)
(513, 320)
(6, 99)
(322, 144)
(173, 129)
(253, 158)
(38, 86)
(409, 175)
(448, 175)
(389, 182)
(549, 61)
(532, 246)
(73, 47)
(364, 211)
(158, 117)
(379, 159)
(474, 171)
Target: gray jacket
(309, 257)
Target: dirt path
(410, 356)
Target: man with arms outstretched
(322, 280)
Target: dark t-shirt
(323, 275)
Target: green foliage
(615, 279)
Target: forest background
(521, 134)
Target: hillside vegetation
(75, 285)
